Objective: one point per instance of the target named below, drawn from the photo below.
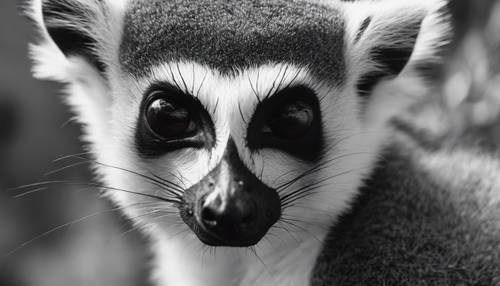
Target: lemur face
(243, 150)
(241, 130)
(234, 119)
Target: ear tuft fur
(385, 38)
(87, 29)
(78, 45)
(69, 26)
(363, 28)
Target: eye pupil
(292, 121)
(168, 119)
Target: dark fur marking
(70, 41)
(308, 147)
(404, 229)
(367, 82)
(430, 71)
(230, 35)
(391, 60)
(362, 29)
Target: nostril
(247, 220)
(209, 216)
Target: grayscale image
(249, 142)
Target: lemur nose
(231, 206)
(233, 217)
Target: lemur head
(234, 117)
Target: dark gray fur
(229, 35)
(406, 228)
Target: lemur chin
(241, 129)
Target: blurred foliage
(472, 85)
(464, 107)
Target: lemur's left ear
(78, 44)
(75, 30)
(384, 38)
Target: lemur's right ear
(86, 30)
(384, 38)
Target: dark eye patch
(169, 120)
(290, 121)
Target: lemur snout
(231, 206)
(237, 215)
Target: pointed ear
(70, 24)
(85, 29)
(386, 38)
(78, 44)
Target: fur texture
(435, 222)
(231, 55)
(235, 35)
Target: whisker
(182, 78)
(148, 224)
(314, 169)
(285, 229)
(241, 114)
(292, 223)
(52, 230)
(214, 111)
(173, 77)
(257, 81)
(172, 184)
(282, 78)
(201, 84)
(66, 167)
(194, 80)
(253, 89)
(97, 185)
(162, 182)
(158, 181)
(294, 77)
(269, 93)
(254, 251)
(299, 195)
(30, 192)
(295, 195)
(70, 156)
(154, 211)
(309, 186)
(298, 220)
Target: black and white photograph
(249, 142)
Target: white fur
(89, 91)
(459, 169)
(109, 110)
(354, 147)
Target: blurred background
(36, 130)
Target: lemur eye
(291, 121)
(168, 118)
(171, 119)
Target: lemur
(243, 137)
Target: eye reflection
(169, 119)
(291, 121)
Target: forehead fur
(229, 35)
